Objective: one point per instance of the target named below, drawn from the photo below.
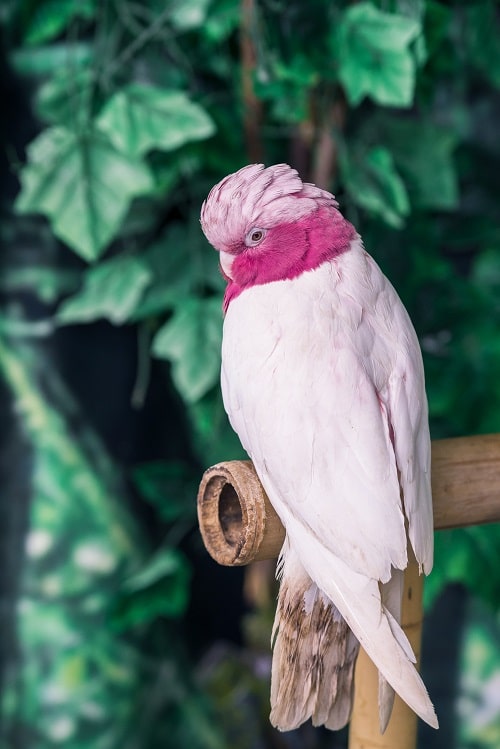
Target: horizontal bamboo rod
(239, 525)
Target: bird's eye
(255, 236)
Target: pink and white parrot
(323, 382)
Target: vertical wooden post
(239, 525)
(401, 733)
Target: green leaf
(372, 49)
(191, 341)
(486, 270)
(63, 98)
(48, 284)
(466, 555)
(481, 37)
(51, 17)
(171, 273)
(161, 588)
(423, 153)
(50, 58)
(188, 15)
(436, 22)
(163, 565)
(83, 185)
(222, 19)
(373, 183)
(111, 290)
(139, 118)
(214, 437)
(479, 725)
(168, 487)
(288, 86)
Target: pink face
(286, 250)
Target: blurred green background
(117, 116)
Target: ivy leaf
(222, 19)
(423, 154)
(466, 555)
(47, 283)
(139, 118)
(163, 565)
(63, 97)
(372, 48)
(436, 23)
(481, 38)
(50, 17)
(50, 58)
(83, 185)
(161, 588)
(288, 86)
(168, 266)
(373, 183)
(111, 290)
(214, 438)
(188, 15)
(191, 341)
(168, 487)
(486, 271)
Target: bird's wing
(408, 415)
(323, 382)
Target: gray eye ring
(255, 236)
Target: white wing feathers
(323, 382)
(358, 600)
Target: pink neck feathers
(291, 249)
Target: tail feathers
(341, 706)
(391, 594)
(386, 695)
(358, 599)
(313, 660)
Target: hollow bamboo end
(237, 521)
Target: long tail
(314, 656)
(370, 617)
(391, 596)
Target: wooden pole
(401, 733)
(239, 525)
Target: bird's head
(268, 225)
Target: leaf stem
(143, 366)
(136, 45)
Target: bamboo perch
(239, 525)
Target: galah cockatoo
(322, 380)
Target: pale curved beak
(226, 263)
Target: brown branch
(325, 163)
(239, 525)
(252, 106)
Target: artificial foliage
(117, 117)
